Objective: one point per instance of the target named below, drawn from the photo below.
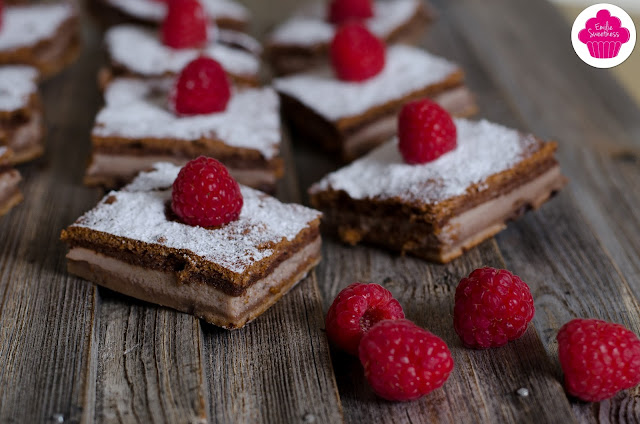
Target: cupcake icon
(604, 35)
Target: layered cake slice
(134, 243)
(138, 127)
(21, 124)
(302, 42)
(352, 117)
(10, 194)
(135, 51)
(45, 36)
(439, 209)
(226, 14)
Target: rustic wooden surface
(70, 352)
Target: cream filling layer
(128, 166)
(163, 288)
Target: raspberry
(404, 362)
(356, 54)
(598, 358)
(492, 307)
(341, 11)
(204, 194)
(355, 310)
(202, 87)
(185, 25)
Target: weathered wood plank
(48, 318)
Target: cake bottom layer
(115, 170)
(201, 300)
(458, 235)
(24, 138)
(10, 195)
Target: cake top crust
(155, 11)
(141, 51)
(136, 109)
(138, 212)
(25, 26)
(407, 70)
(17, 84)
(309, 27)
(484, 149)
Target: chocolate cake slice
(135, 51)
(10, 194)
(440, 209)
(302, 42)
(352, 118)
(21, 123)
(132, 243)
(46, 36)
(136, 129)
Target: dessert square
(10, 194)
(21, 123)
(135, 51)
(135, 129)
(302, 42)
(440, 209)
(351, 118)
(133, 244)
(226, 14)
(45, 36)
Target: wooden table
(71, 352)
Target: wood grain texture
(47, 317)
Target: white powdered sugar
(138, 109)
(141, 51)
(25, 26)
(138, 213)
(484, 149)
(407, 70)
(17, 84)
(153, 10)
(310, 27)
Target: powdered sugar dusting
(407, 70)
(138, 109)
(138, 213)
(309, 26)
(140, 50)
(25, 26)
(484, 149)
(155, 11)
(17, 84)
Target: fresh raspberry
(403, 361)
(204, 194)
(492, 307)
(425, 132)
(185, 25)
(598, 358)
(341, 11)
(355, 310)
(356, 54)
(202, 87)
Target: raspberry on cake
(352, 118)
(185, 25)
(302, 42)
(598, 358)
(137, 128)
(227, 14)
(138, 52)
(21, 123)
(45, 36)
(131, 242)
(440, 209)
(356, 54)
(10, 194)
